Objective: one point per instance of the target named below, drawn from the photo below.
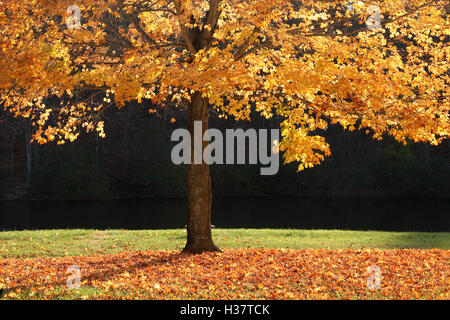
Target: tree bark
(29, 155)
(12, 157)
(199, 238)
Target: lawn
(255, 264)
(60, 243)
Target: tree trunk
(199, 238)
(29, 155)
(35, 158)
(12, 157)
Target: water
(276, 212)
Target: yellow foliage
(314, 65)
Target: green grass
(54, 243)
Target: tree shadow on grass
(420, 240)
(103, 268)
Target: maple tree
(312, 62)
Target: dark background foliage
(134, 162)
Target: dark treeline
(134, 161)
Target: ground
(255, 264)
